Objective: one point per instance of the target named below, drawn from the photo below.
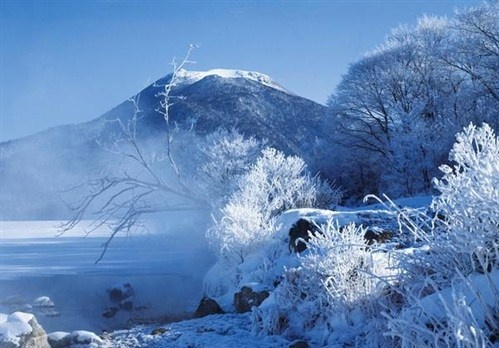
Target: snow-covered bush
(467, 238)
(461, 249)
(227, 155)
(274, 183)
(469, 189)
(331, 288)
(466, 314)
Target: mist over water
(165, 266)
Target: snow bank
(222, 330)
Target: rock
(377, 235)
(123, 295)
(79, 338)
(207, 306)
(110, 312)
(245, 299)
(127, 305)
(44, 306)
(299, 344)
(299, 232)
(21, 330)
(44, 302)
(59, 339)
(120, 292)
(158, 331)
(82, 337)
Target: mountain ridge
(36, 167)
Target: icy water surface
(164, 269)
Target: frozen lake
(165, 269)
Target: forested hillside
(397, 110)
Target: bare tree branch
(120, 200)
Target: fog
(164, 262)
(165, 266)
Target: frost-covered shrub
(469, 190)
(465, 314)
(274, 183)
(466, 228)
(461, 249)
(468, 238)
(227, 156)
(330, 289)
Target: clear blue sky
(71, 61)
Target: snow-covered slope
(186, 77)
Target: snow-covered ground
(221, 330)
(60, 284)
(165, 267)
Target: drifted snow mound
(21, 330)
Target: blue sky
(70, 61)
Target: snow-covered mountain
(33, 169)
(185, 77)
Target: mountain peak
(190, 77)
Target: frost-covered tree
(148, 180)
(449, 289)
(274, 183)
(393, 94)
(397, 109)
(225, 156)
(474, 53)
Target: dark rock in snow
(207, 306)
(120, 292)
(110, 312)
(245, 299)
(375, 235)
(158, 331)
(299, 233)
(123, 295)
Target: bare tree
(121, 198)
